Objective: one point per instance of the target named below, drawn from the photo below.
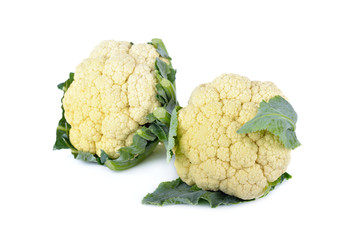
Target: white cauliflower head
(112, 92)
(212, 155)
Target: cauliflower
(211, 154)
(112, 93)
(108, 98)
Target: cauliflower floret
(141, 93)
(212, 155)
(112, 93)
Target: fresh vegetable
(232, 142)
(212, 155)
(117, 106)
(178, 192)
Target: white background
(302, 46)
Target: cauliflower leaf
(126, 159)
(62, 130)
(172, 133)
(161, 49)
(278, 117)
(178, 192)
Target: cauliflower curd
(212, 155)
(112, 93)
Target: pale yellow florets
(212, 155)
(112, 92)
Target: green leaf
(62, 135)
(86, 157)
(146, 133)
(65, 85)
(138, 146)
(161, 95)
(159, 45)
(104, 157)
(171, 105)
(157, 74)
(169, 89)
(172, 75)
(160, 130)
(162, 115)
(123, 163)
(178, 192)
(162, 67)
(272, 185)
(165, 128)
(172, 134)
(164, 119)
(62, 130)
(278, 117)
(151, 118)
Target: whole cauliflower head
(112, 92)
(212, 155)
